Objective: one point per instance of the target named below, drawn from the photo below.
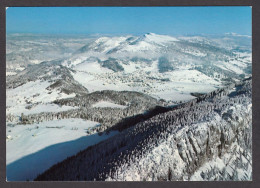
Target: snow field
(34, 148)
(34, 93)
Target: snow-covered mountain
(92, 88)
(192, 52)
(181, 64)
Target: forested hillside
(176, 145)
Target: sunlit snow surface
(34, 92)
(32, 149)
(181, 84)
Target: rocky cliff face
(208, 138)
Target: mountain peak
(152, 37)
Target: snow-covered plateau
(128, 108)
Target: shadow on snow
(28, 167)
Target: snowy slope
(34, 148)
(34, 93)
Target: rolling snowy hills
(94, 87)
(158, 64)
